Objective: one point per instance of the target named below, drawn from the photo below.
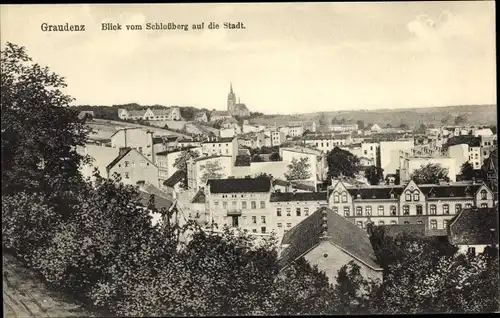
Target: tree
(403, 126)
(40, 132)
(361, 124)
(422, 129)
(323, 122)
(351, 290)
(181, 164)
(374, 174)
(342, 163)
(298, 169)
(460, 119)
(257, 158)
(275, 157)
(211, 170)
(467, 171)
(242, 160)
(430, 173)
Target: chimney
(123, 150)
(324, 223)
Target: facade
(242, 203)
(390, 154)
(236, 108)
(277, 138)
(473, 229)
(430, 204)
(375, 128)
(201, 117)
(101, 157)
(133, 167)
(369, 150)
(228, 132)
(170, 113)
(343, 128)
(221, 146)
(165, 161)
(218, 115)
(196, 169)
(292, 131)
(316, 160)
(325, 143)
(329, 241)
(134, 138)
(246, 128)
(409, 164)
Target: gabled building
(329, 241)
(201, 117)
(221, 147)
(135, 138)
(133, 167)
(218, 115)
(473, 229)
(197, 169)
(167, 113)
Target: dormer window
(344, 197)
(336, 198)
(392, 195)
(484, 195)
(408, 196)
(416, 196)
(358, 196)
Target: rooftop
(474, 226)
(298, 196)
(239, 185)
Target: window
(216, 204)
(408, 196)
(288, 212)
(407, 222)
(254, 230)
(235, 221)
(336, 198)
(289, 225)
(346, 211)
(381, 223)
(484, 194)
(445, 224)
(140, 149)
(298, 211)
(468, 205)
(127, 176)
(234, 203)
(280, 225)
(359, 210)
(484, 205)
(433, 209)
(458, 208)
(262, 204)
(306, 211)
(263, 219)
(416, 196)
(393, 210)
(433, 224)
(471, 250)
(368, 210)
(380, 210)
(335, 209)
(253, 204)
(254, 219)
(360, 224)
(446, 209)
(406, 209)
(278, 211)
(127, 163)
(394, 222)
(344, 197)
(244, 204)
(420, 222)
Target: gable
(149, 113)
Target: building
(408, 164)
(290, 208)
(165, 161)
(246, 128)
(280, 185)
(228, 132)
(343, 128)
(315, 158)
(134, 138)
(221, 146)
(390, 154)
(277, 138)
(87, 114)
(375, 128)
(167, 113)
(100, 155)
(328, 241)
(133, 166)
(482, 132)
(236, 109)
(201, 117)
(197, 210)
(490, 170)
(463, 153)
(240, 203)
(218, 115)
(473, 229)
(430, 204)
(292, 131)
(197, 170)
(326, 143)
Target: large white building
(390, 154)
(409, 164)
(170, 113)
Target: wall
(389, 154)
(134, 138)
(139, 169)
(413, 164)
(102, 157)
(288, 156)
(287, 222)
(276, 168)
(461, 155)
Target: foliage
(374, 174)
(422, 129)
(242, 160)
(361, 124)
(211, 170)
(275, 157)
(298, 169)
(257, 158)
(322, 121)
(181, 164)
(430, 174)
(39, 131)
(460, 119)
(467, 171)
(342, 163)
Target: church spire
(230, 87)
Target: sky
(291, 58)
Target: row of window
(433, 223)
(244, 205)
(406, 209)
(334, 143)
(408, 196)
(132, 163)
(298, 211)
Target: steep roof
(174, 179)
(239, 185)
(118, 158)
(160, 201)
(342, 233)
(473, 226)
(396, 229)
(298, 196)
(199, 197)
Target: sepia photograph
(249, 159)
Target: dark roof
(396, 229)
(220, 140)
(472, 226)
(447, 191)
(163, 153)
(239, 185)
(157, 140)
(375, 192)
(294, 185)
(298, 196)
(341, 232)
(160, 201)
(118, 158)
(174, 179)
(199, 197)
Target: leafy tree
(211, 170)
(460, 119)
(422, 129)
(361, 124)
(342, 163)
(403, 126)
(181, 164)
(40, 131)
(352, 290)
(242, 160)
(430, 173)
(322, 120)
(467, 171)
(275, 157)
(298, 169)
(374, 174)
(257, 158)
(264, 175)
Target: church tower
(231, 99)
